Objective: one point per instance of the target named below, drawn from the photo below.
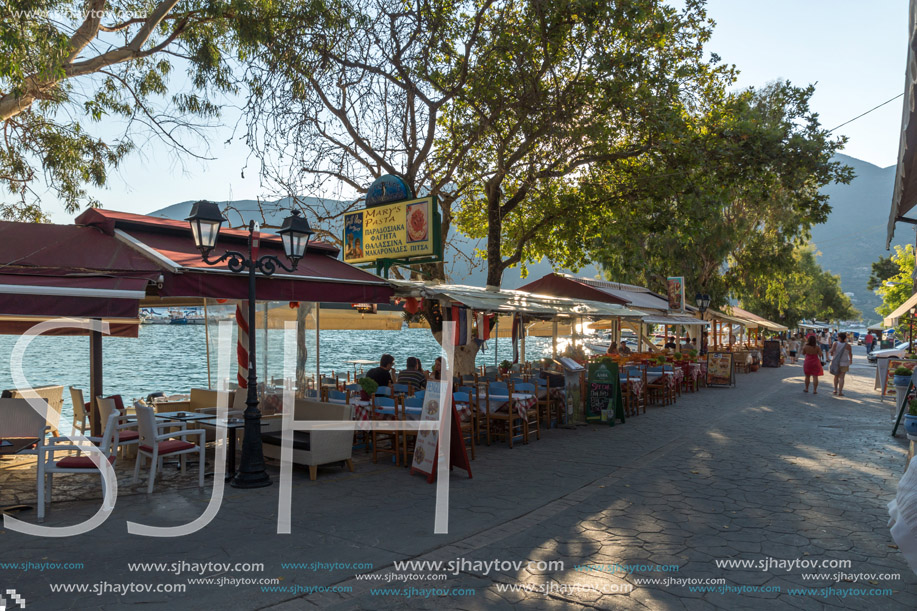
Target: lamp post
(702, 301)
(295, 232)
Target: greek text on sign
(394, 231)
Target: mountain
(462, 267)
(854, 235)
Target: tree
(898, 288)
(882, 270)
(573, 86)
(804, 291)
(67, 66)
(490, 106)
(728, 203)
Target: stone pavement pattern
(760, 471)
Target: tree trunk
(494, 229)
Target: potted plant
(902, 376)
(678, 357)
(692, 354)
(660, 359)
(910, 418)
(505, 367)
(368, 388)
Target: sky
(854, 53)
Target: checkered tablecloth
(635, 385)
(521, 402)
(362, 411)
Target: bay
(173, 358)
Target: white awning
(514, 301)
(892, 319)
(675, 320)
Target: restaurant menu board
(892, 366)
(394, 231)
(720, 369)
(604, 402)
(425, 447)
(771, 354)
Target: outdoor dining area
(169, 439)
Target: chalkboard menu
(604, 402)
(770, 356)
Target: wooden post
(207, 342)
(95, 379)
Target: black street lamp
(703, 302)
(295, 232)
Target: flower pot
(364, 395)
(902, 380)
(910, 424)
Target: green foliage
(882, 270)
(900, 286)
(726, 201)
(903, 371)
(368, 385)
(802, 290)
(71, 69)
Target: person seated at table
(623, 349)
(413, 375)
(382, 374)
(612, 348)
(671, 345)
(426, 374)
(437, 368)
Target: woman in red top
(811, 366)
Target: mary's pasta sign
(400, 231)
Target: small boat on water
(152, 317)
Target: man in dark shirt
(413, 375)
(671, 345)
(382, 374)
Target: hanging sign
(364, 308)
(400, 231)
(676, 290)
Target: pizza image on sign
(416, 222)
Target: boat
(152, 317)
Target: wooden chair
(532, 417)
(409, 438)
(393, 437)
(657, 391)
(545, 403)
(503, 423)
(479, 414)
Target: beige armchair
(312, 448)
(54, 395)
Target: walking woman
(842, 356)
(811, 366)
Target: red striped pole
(242, 344)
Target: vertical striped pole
(242, 345)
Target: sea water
(173, 358)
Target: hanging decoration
(294, 305)
(412, 305)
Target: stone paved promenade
(760, 473)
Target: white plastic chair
(155, 445)
(48, 466)
(128, 434)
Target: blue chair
(401, 389)
(498, 388)
(461, 397)
(525, 387)
(413, 402)
(385, 406)
(384, 391)
(420, 394)
(337, 396)
(312, 393)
